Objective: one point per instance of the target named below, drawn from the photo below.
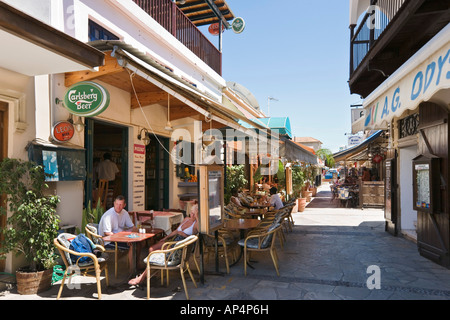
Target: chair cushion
(174, 258)
(251, 243)
(267, 240)
(93, 227)
(65, 239)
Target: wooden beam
(148, 98)
(179, 112)
(111, 66)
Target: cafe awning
(358, 152)
(31, 47)
(153, 81)
(424, 77)
(292, 151)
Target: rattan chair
(62, 243)
(225, 246)
(264, 241)
(92, 233)
(172, 256)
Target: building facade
(162, 85)
(399, 62)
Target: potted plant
(235, 179)
(298, 181)
(32, 225)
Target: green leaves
(33, 222)
(235, 180)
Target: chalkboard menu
(63, 164)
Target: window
(97, 32)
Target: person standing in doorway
(107, 170)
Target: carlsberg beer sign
(86, 99)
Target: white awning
(31, 47)
(424, 77)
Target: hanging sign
(238, 25)
(86, 99)
(214, 29)
(63, 131)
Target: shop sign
(354, 140)
(86, 99)
(63, 131)
(419, 85)
(214, 29)
(238, 25)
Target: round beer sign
(238, 25)
(63, 131)
(86, 99)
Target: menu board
(211, 180)
(423, 198)
(139, 177)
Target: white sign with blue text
(421, 84)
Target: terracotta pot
(33, 282)
(314, 191)
(308, 195)
(301, 204)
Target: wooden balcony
(168, 15)
(387, 37)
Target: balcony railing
(168, 15)
(371, 27)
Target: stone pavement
(332, 253)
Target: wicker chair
(264, 241)
(92, 233)
(62, 243)
(172, 256)
(225, 245)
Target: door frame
(89, 145)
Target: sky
(296, 52)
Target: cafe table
(242, 225)
(132, 238)
(161, 219)
(254, 213)
(165, 220)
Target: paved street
(326, 257)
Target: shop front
(413, 106)
(31, 51)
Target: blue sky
(297, 52)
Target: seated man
(275, 200)
(115, 220)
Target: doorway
(106, 139)
(3, 154)
(408, 216)
(157, 174)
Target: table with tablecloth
(161, 219)
(165, 220)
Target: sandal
(138, 281)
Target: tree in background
(235, 180)
(327, 156)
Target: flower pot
(308, 195)
(301, 204)
(314, 191)
(33, 282)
